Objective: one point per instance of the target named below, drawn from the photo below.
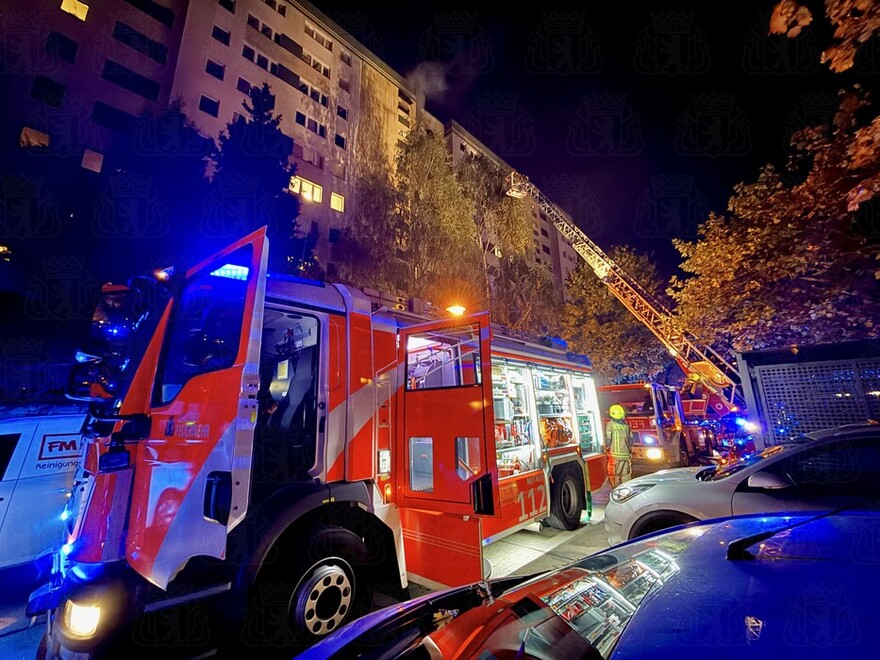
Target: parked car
(820, 471)
(742, 587)
(38, 458)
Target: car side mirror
(768, 481)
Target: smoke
(428, 79)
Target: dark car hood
(800, 589)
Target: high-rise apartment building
(82, 70)
(78, 71)
(342, 107)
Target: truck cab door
(192, 473)
(445, 473)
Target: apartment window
(337, 203)
(320, 37)
(31, 138)
(340, 141)
(128, 79)
(112, 117)
(544, 232)
(545, 249)
(47, 91)
(300, 119)
(243, 86)
(248, 53)
(253, 22)
(403, 120)
(154, 10)
(316, 64)
(342, 112)
(62, 47)
(92, 161)
(306, 189)
(282, 9)
(215, 69)
(262, 62)
(75, 8)
(345, 57)
(220, 35)
(344, 85)
(271, 3)
(209, 105)
(228, 5)
(139, 42)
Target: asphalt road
(526, 552)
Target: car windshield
(598, 596)
(714, 474)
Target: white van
(38, 458)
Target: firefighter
(618, 446)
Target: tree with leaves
(251, 180)
(855, 23)
(504, 229)
(525, 297)
(434, 231)
(794, 261)
(595, 322)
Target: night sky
(637, 121)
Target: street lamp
(456, 310)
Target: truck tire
(684, 458)
(308, 592)
(566, 501)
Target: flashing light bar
(231, 272)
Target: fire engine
(712, 389)
(662, 436)
(285, 445)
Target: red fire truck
(284, 446)
(662, 435)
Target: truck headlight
(623, 493)
(654, 453)
(81, 620)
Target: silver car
(822, 471)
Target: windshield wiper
(738, 550)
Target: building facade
(78, 71)
(81, 71)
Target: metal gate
(801, 398)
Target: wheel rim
(323, 599)
(568, 498)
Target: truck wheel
(310, 591)
(684, 458)
(566, 501)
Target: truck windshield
(204, 330)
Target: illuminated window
(75, 8)
(337, 202)
(306, 189)
(92, 160)
(31, 138)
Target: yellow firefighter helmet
(617, 412)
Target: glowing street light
(456, 310)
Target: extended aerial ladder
(702, 365)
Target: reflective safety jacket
(618, 438)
